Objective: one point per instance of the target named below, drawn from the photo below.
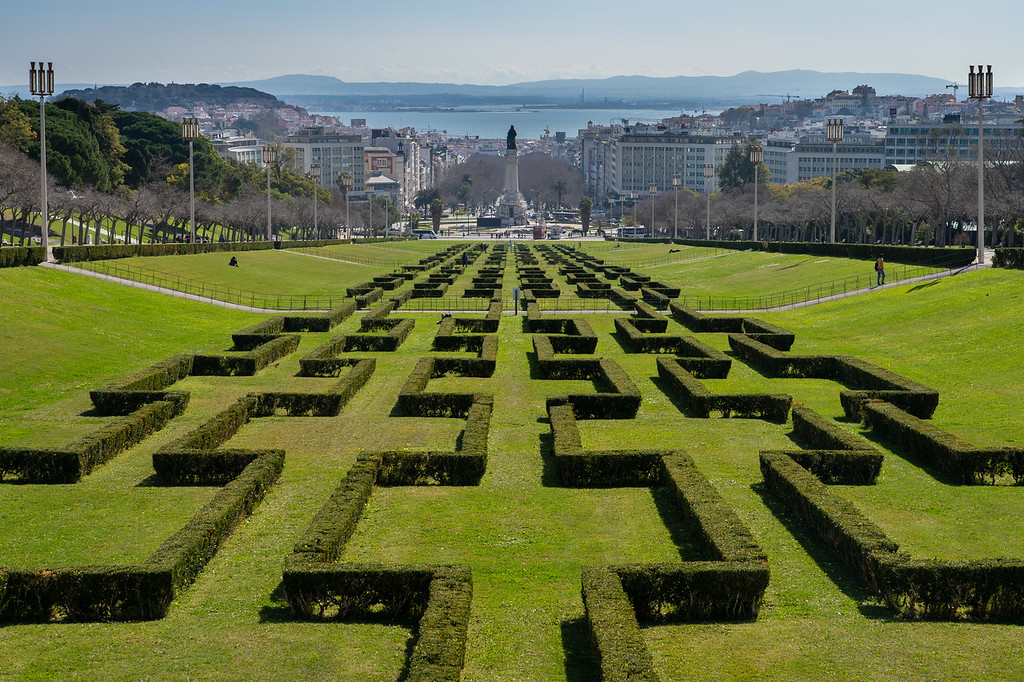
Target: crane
(787, 96)
(955, 88)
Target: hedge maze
(722, 573)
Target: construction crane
(955, 88)
(786, 96)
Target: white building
(337, 153)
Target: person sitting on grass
(233, 262)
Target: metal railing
(812, 293)
(683, 255)
(212, 292)
(326, 252)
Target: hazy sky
(186, 41)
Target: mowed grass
(269, 272)
(523, 535)
(721, 272)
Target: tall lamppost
(40, 82)
(347, 184)
(632, 195)
(314, 174)
(834, 134)
(709, 172)
(756, 157)
(980, 88)
(190, 132)
(269, 157)
(676, 182)
(654, 195)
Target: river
(493, 123)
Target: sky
(459, 41)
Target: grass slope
(523, 536)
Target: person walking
(880, 271)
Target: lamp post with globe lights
(190, 132)
(269, 157)
(980, 88)
(709, 172)
(756, 158)
(654, 196)
(834, 134)
(676, 182)
(314, 174)
(41, 84)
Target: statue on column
(510, 139)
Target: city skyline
(461, 42)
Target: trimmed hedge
(15, 256)
(323, 360)
(702, 403)
(327, 404)
(320, 323)
(870, 381)
(332, 526)
(958, 461)
(76, 460)
(124, 396)
(988, 589)
(246, 364)
(699, 358)
(858, 542)
(616, 635)
(465, 466)
(415, 401)
(619, 399)
(695, 590)
(722, 534)
(144, 591)
(77, 254)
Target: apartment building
(337, 153)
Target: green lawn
(524, 537)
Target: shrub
(76, 460)
(22, 255)
(614, 628)
(702, 403)
(123, 396)
(958, 461)
(144, 591)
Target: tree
(15, 127)
(436, 211)
(586, 205)
(559, 186)
(425, 197)
(737, 171)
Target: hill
(158, 96)
(742, 88)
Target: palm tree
(559, 185)
(586, 204)
(436, 211)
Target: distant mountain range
(325, 93)
(749, 87)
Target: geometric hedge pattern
(726, 581)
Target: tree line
(935, 203)
(118, 175)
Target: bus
(538, 232)
(638, 232)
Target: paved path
(164, 290)
(989, 254)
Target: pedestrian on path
(880, 271)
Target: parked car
(424, 234)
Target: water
(493, 122)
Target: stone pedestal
(511, 205)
